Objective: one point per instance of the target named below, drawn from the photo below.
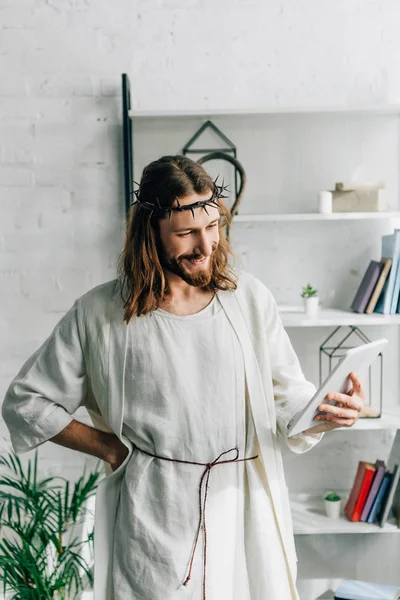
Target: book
(396, 290)
(379, 499)
(394, 458)
(367, 286)
(359, 491)
(396, 512)
(390, 249)
(398, 299)
(380, 470)
(387, 263)
(388, 501)
(352, 589)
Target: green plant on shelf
(332, 497)
(308, 291)
(41, 554)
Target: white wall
(229, 53)
(61, 204)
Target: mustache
(194, 257)
(198, 256)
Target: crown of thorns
(156, 208)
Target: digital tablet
(355, 359)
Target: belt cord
(202, 503)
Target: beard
(200, 278)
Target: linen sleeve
(292, 391)
(49, 388)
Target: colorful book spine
(396, 290)
(360, 489)
(377, 503)
(376, 484)
(367, 286)
(387, 263)
(387, 503)
(390, 249)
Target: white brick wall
(61, 204)
(61, 201)
(60, 140)
(251, 53)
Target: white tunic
(186, 399)
(85, 361)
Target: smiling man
(187, 247)
(190, 380)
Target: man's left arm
(292, 391)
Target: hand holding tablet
(339, 386)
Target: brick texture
(61, 201)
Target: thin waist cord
(203, 485)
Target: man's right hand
(103, 445)
(118, 452)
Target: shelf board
(390, 419)
(360, 216)
(259, 111)
(309, 518)
(328, 317)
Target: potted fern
(42, 555)
(311, 300)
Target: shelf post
(127, 142)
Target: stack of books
(373, 494)
(379, 290)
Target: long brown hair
(143, 282)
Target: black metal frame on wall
(127, 142)
(230, 147)
(223, 151)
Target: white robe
(83, 363)
(190, 374)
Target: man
(188, 375)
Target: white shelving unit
(332, 317)
(309, 518)
(305, 110)
(308, 512)
(308, 509)
(390, 419)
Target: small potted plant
(332, 505)
(311, 300)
